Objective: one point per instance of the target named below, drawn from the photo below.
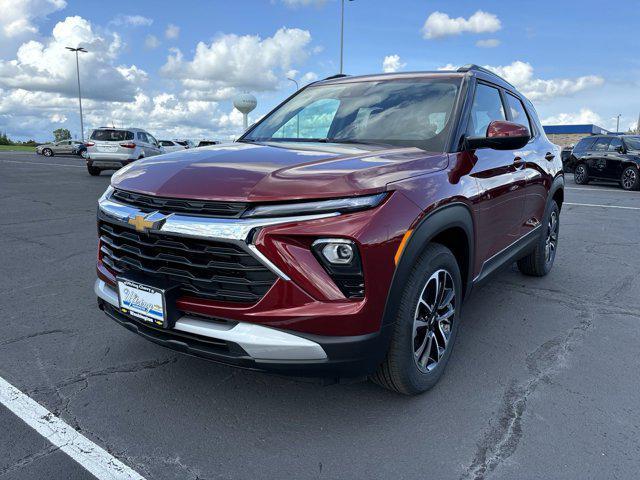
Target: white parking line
(93, 458)
(596, 189)
(43, 163)
(600, 206)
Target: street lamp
(76, 50)
(618, 122)
(342, 32)
(294, 81)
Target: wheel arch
(556, 192)
(452, 226)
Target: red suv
(340, 235)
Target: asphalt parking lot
(543, 382)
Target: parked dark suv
(340, 235)
(607, 157)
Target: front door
(500, 178)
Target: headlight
(342, 205)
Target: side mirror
(620, 149)
(501, 135)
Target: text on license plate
(141, 301)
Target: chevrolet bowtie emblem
(142, 222)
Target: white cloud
(18, 16)
(48, 67)
(151, 42)
(440, 24)
(240, 62)
(521, 75)
(304, 3)
(132, 20)
(172, 31)
(392, 63)
(584, 116)
(488, 43)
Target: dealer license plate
(142, 301)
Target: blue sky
(173, 68)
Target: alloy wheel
(629, 178)
(433, 319)
(551, 242)
(580, 173)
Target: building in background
(568, 135)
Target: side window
(151, 139)
(517, 111)
(142, 137)
(166, 143)
(584, 144)
(601, 144)
(313, 121)
(615, 143)
(487, 107)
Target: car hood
(276, 171)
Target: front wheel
(93, 171)
(630, 179)
(581, 175)
(539, 262)
(426, 324)
(47, 152)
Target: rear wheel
(630, 179)
(539, 262)
(426, 324)
(47, 152)
(581, 175)
(93, 171)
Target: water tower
(245, 103)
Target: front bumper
(318, 331)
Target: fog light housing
(341, 260)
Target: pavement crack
(118, 369)
(26, 460)
(33, 335)
(502, 440)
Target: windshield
(633, 143)
(111, 135)
(407, 112)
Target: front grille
(202, 268)
(148, 203)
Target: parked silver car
(63, 147)
(113, 148)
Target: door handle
(549, 156)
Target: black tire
(93, 171)
(47, 152)
(539, 262)
(630, 179)
(581, 174)
(402, 370)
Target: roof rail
(473, 67)
(339, 75)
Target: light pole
(342, 32)
(294, 81)
(76, 50)
(618, 123)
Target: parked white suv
(172, 145)
(113, 148)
